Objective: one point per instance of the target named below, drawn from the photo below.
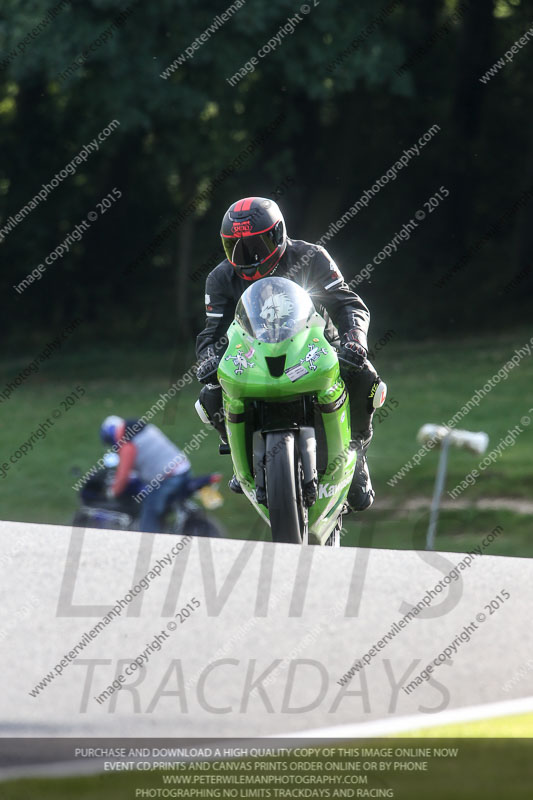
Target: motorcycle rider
(256, 244)
(159, 463)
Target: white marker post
(473, 442)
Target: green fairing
(244, 376)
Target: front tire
(282, 495)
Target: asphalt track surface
(300, 615)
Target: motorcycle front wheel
(283, 494)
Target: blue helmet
(109, 429)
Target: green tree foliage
(346, 111)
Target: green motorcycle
(287, 414)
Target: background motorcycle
(184, 515)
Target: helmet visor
(249, 251)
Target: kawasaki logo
(329, 489)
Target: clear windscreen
(274, 309)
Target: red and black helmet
(254, 237)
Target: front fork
(306, 444)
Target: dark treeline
(117, 167)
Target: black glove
(352, 353)
(207, 369)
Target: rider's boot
(361, 494)
(209, 408)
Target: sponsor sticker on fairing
(296, 372)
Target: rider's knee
(209, 406)
(211, 398)
(377, 394)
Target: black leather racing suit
(311, 267)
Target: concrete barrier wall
(119, 633)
